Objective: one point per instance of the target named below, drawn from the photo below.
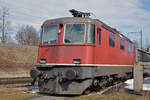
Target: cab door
(98, 45)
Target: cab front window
(50, 34)
(74, 33)
(91, 34)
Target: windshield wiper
(67, 41)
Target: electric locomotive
(79, 54)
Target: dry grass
(15, 94)
(115, 96)
(16, 61)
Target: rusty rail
(15, 80)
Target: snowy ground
(146, 84)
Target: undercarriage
(78, 80)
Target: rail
(142, 55)
(15, 80)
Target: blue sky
(124, 15)
(145, 4)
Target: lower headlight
(43, 61)
(76, 61)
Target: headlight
(43, 61)
(76, 61)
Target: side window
(129, 47)
(111, 40)
(99, 36)
(91, 34)
(122, 44)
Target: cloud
(126, 16)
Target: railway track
(15, 80)
(23, 80)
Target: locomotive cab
(67, 43)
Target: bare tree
(27, 35)
(4, 23)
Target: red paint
(89, 54)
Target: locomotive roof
(82, 20)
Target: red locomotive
(78, 54)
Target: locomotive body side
(83, 53)
(109, 55)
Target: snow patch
(33, 91)
(146, 86)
